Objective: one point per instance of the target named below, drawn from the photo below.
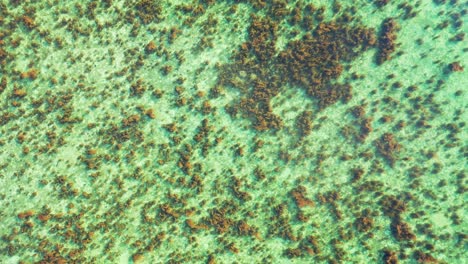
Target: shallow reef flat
(239, 131)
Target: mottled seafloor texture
(246, 131)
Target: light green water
(113, 199)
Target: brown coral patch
(219, 221)
(137, 258)
(150, 47)
(26, 214)
(386, 43)
(19, 93)
(311, 63)
(44, 217)
(148, 10)
(28, 22)
(192, 225)
(184, 161)
(364, 224)
(245, 229)
(390, 257)
(455, 67)
(131, 120)
(137, 88)
(53, 257)
(422, 257)
(299, 196)
(150, 113)
(31, 74)
(315, 60)
(3, 56)
(402, 231)
(392, 206)
(307, 247)
(304, 123)
(167, 211)
(388, 147)
(3, 84)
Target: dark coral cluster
(387, 38)
(311, 63)
(148, 10)
(388, 147)
(395, 208)
(255, 57)
(304, 123)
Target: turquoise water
(233, 131)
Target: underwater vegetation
(264, 131)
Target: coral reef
(390, 257)
(455, 67)
(388, 147)
(148, 11)
(311, 63)
(304, 123)
(299, 197)
(387, 38)
(246, 131)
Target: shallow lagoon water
(124, 137)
